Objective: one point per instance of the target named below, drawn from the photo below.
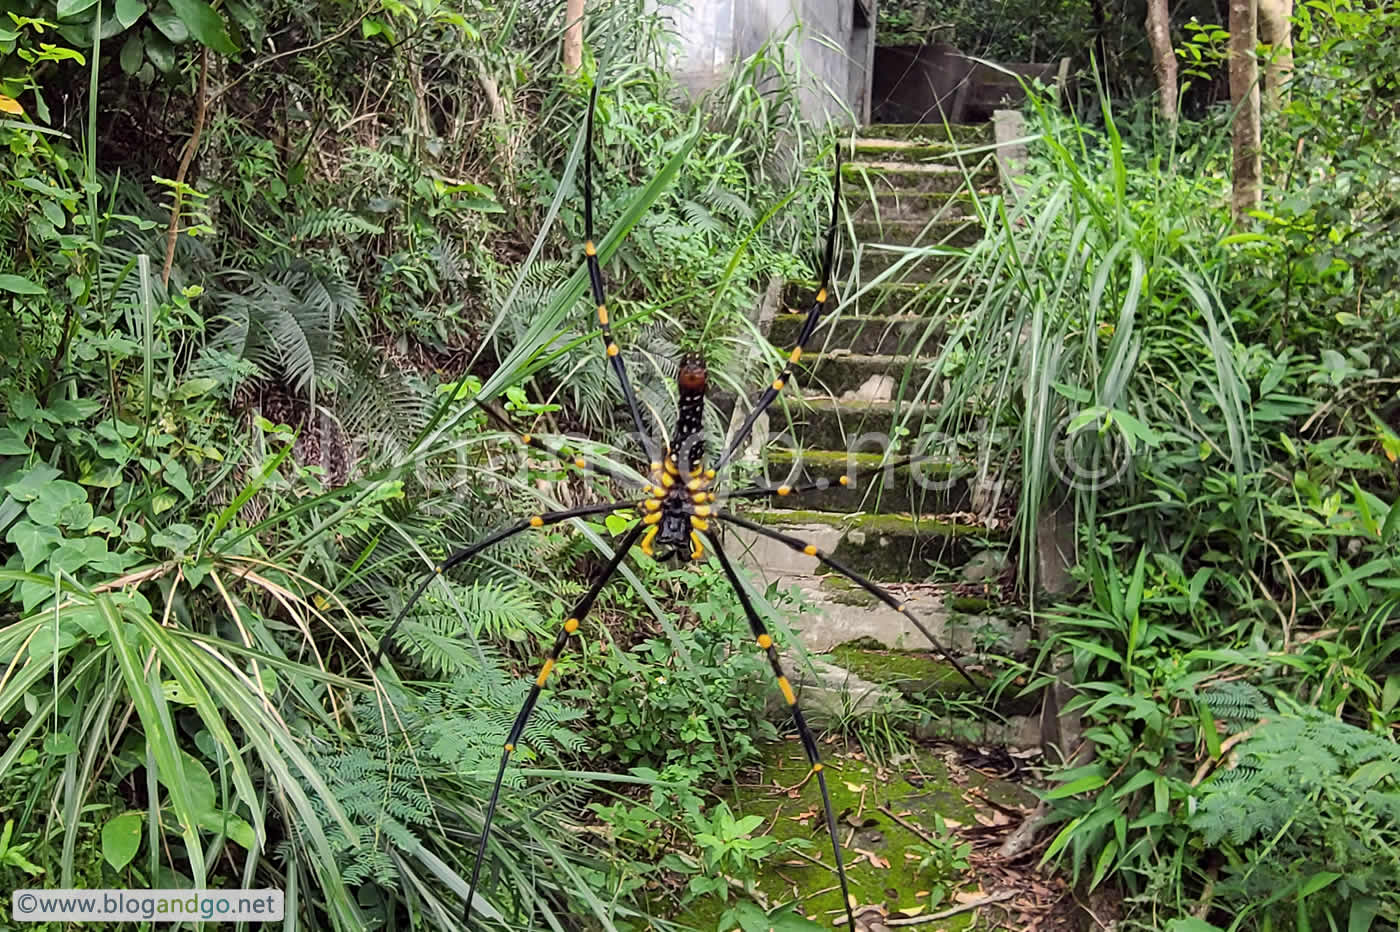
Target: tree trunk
(1276, 29)
(1244, 97)
(1159, 38)
(573, 36)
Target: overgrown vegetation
(230, 437)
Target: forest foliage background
(234, 379)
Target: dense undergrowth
(218, 474)
(231, 437)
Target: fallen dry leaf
(968, 896)
(855, 789)
(910, 912)
(921, 894)
(874, 859)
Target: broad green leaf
(198, 784)
(133, 53)
(1317, 882)
(121, 838)
(129, 11)
(19, 285)
(59, 744)
(28, 486)
(67, 8)
(34, 542)
(61, 502)
(1074, 787)
(205, 24)
(232, 826)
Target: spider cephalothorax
(679, 500)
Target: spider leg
(595, 280)
(809, 327)
(809, 743)
(569, 628)
(875, 589)
(542, 519)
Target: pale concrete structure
(830, 42)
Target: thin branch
(960, 908)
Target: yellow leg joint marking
(671, 468)
(697, 546)
(648, 537)
(571, 626)
(525, 439)
(589, 249)
(844, 480)
(652, 504)
(901, 607)
(438, 570)
(580, 462)
(695, 484)
(810, 550)
(777, 385)
(765, 641)
(784, 489)
(510, 749)
(796, 354)
(603, 314)
(821, 296)
(786, 687)
(668, 480)
(700, 524)
(536, 521)
(817, 767)
(612, 349)
(710, 474)
(652, 518)
(702, 511)
(544, 671)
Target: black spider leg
(873, 588)
(570, 628)
(595, 280)
(542, 519)
(814, 315)
(809, 742)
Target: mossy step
(887, 547)
(899, 150)
(965, 133)
(859, 426)
(893, 298)
(917, 789)
(928, 486)
(836, 374)
(948, 232)
(923, 675)
(862, 334)
(978, 172)
(907, 205)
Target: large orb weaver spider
(679, 513)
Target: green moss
(854, 787)
(916, 673)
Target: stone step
(964, 133)
(873, 335)
(881, 299)
(979, 171)
(932, 262)
(922, 206)
(886, 547)
(841, 374)
(931, 485)
(862, 149)
(857, 426)
(946, 232)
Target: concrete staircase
(903, 186)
